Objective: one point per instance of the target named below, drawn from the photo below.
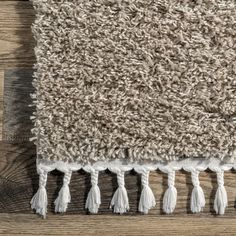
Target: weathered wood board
(16, 110)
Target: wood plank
(16, 40)
(1, 102)
(19, 181)
(16, 14)
(1, 85)
(20, 224)
(17, 90)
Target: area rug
(134, 84)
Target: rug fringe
(120, 201)
(170, 196)
(61, 203)
(197, 196)
(93, 200)
(39, 201)
(221, 201)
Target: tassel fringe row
(120, 200)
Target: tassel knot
(220, 202)
(170, 196)
(121, 179)
(197, 196)
(120, 199)
(61, 203)
(94, 196)
(147, 199)
(39, 201)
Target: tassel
(94, 196)
(147, 199)
(221, 201)
(170, 196)
(120, 199)
(39, 201)
(197, 197)
(61, 203)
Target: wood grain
(17, 89)
(1, 102)
(16, 40)
(115, 225)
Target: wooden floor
(116, 225)
(19, 180)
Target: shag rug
(143, 84)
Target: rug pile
(134, 84)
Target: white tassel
(39, 201)
(120, 199)
(197, 197)
(147, 199)
(170, 196)
(61, 203)
(94, 196)
(221, 201)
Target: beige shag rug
(134, 81)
